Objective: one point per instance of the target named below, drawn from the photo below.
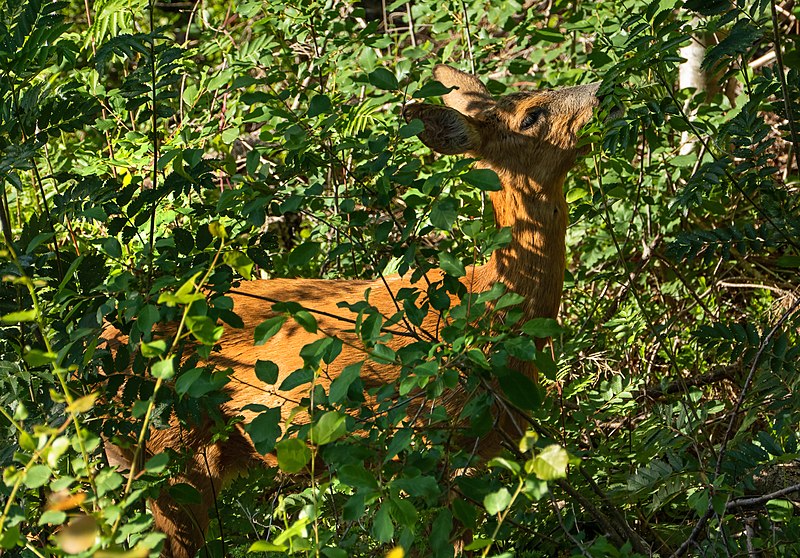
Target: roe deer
(529, 140)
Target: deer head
(510, 132)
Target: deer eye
(531, 118)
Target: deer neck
(532, 264)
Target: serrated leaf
(382, 526)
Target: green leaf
(204, 329)
(342, 383)
(431, 89)
(293, 454)
(268, 328)
(186, 294)
(542, 328)
(217, 230)
(329, 427)
(37, 476)
(26, 441)
(240, 262)
(112, 247)
(411, 129)
(509, 299)
(306, 320)
(297, 378)
(483, 179)
(521, 390)
(37, 357)
(780, 511)
(382, 527)
(451, 265)
(153, 349)
(266, 546)
(10, 537)
(265, 429)
(383, 354)
(546, 365)
(789, 261)
(266, 371)
(575, 194)
(157, 463)
(107, 481)
(495, 502)
(547, 36)
(83, 404)
(383, 79)
(163, 369)
(185, 494)
(550, 464)
(478, 543)
(357, 476)
(319, 104)
(507, 464)
(444, 213)
(303, 254)
(20, 316)
(708, 7)
(402, 511)
(52, 517)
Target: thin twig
(756, 501)
(784, 87)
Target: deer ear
(447, 131)
(471, 96)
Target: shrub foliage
(154, 155)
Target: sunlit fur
(532, 166)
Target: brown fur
(532, 165)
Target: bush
(155, 155)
